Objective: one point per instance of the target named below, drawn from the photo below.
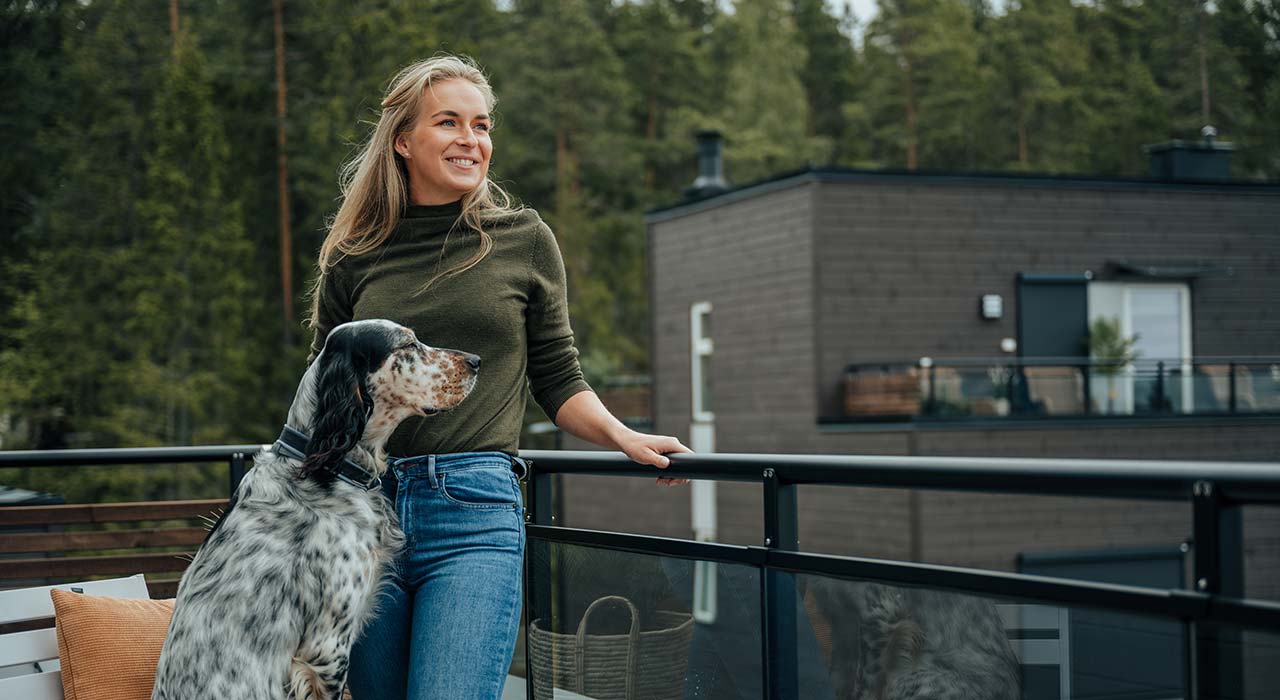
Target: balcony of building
(615, 614)
(1014, 388)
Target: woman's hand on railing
(643, 448)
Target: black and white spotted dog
(275, 597)
(905, 643)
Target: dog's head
(370, 376)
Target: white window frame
(1121, 296)
(703, 493)
(699, 347)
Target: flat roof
(928, 177)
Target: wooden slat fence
(41, 545)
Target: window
(1159, 315)
(701, 348)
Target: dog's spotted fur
(904, 643)
(275, 597)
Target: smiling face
(447, 151)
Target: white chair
(29, 666)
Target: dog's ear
(343, 407)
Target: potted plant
(1110, 351)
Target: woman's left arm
(585, 417)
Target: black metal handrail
(1215, 490)
(1244, 482)
(235, 456)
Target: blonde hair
(375, 183)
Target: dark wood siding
(901, 266)
(753, 260)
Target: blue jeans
(447, 617)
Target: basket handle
(633, 643)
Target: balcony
(987, 389)
(619, 614)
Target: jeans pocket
(485, 488)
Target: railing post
(1088, 386)
(1231, 384)
(1218, 665)
(537, 510)
(933, 389)
(236, 472)
(1158, 403)
(780, 665)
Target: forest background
(169, 167)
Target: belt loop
(521, 468)
(431, 472)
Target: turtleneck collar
(448, 211)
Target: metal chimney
(710, 179)
(1209, 159)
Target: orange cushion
(109, 647)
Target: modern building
(837, 311)
(858, 312)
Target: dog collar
(293, 443)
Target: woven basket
(639, 665)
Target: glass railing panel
(1137, 542)
(880, 640)
(976, 391)
(1239, 663)
(1150, 389)
(1261, 551)
(1050, 391)
(698, 633)
(641, 506)
(962, 389)
(1258, 387)
(1110, 391)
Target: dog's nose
(473, 361)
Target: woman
(425, 239)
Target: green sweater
(510, 309)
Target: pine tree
(665, 61)
(67, 343)
(196, 300)
(1173, 37)
(31, 83)
(1126, 108)
(1041, 66)
(925, 84)
(828, 76)
(766, 112)
(1251, 32)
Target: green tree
(32, 85)
(828, 76)
(925, 84)
(766, 112)
(66, 344)
(191, 294)
(1251, 32)
(131, 322)
(1041, 64)
(665, 60)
